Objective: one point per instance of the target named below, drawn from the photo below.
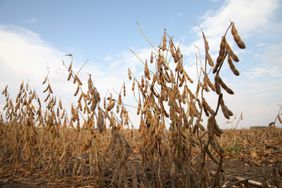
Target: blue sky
(35, 35)
(94, 29)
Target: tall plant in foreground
(166, 100)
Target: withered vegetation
(39, 137)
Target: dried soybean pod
(230, 52)
(139, 106)
(70, 67)
(188, 77)
(201, 127)
(206, 42)
(60, 104)
(182, 79)
(225, 113)
(152, 58)
(5, 91)
(204, 85)
(45, 80)
(211, 156)
(50, 89)
(78, 80)
(232, 66)
(217, 133)
(146, 71)
(77, 89)
(100, 121)
(210, 84)
(221, 55)
(129, 74)
(230, 113)
(133, 85)
(45, 90)
(240, 43)
(111, 105)
(218, 130)
(224, 110)
(124, 90)
(219, 60)
(217, 84)
(210, 61)
(211, 124)
(167, 77)
(190, 93)
(234, 29)
(119, 100)
(69, 76)
(222, 46)
(206, 111)
(207, 106)
(164, 42)
(142, 82)
(225, 87)
(237, 37)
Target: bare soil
(249, 155)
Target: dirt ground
(251, 156)
(233, 170)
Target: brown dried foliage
(50, 141)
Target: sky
(36, 35)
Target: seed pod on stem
(230, 52)
(208, 81)
(232, 66)
(111, 105)
(100, 121)
(210, 61)
(237, 37)
(225, 87)
(129, 74)
(207, 106)
(146, 71)
(226, 112)
(77, 90)
(217, 84)
(206, 42)
(164, 42)
(152, 58)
